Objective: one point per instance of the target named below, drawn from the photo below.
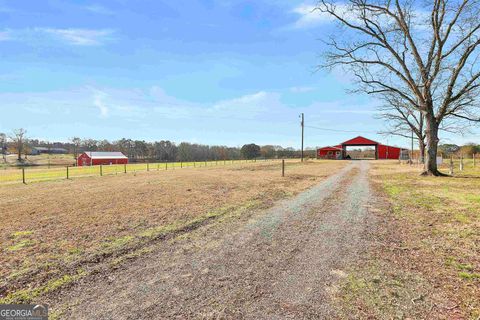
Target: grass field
(43, 173)
(427, 259)
(52, 233)
(41, 160)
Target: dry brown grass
(425, 261)
(53, 229)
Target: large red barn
(340, 151)
(94, 158)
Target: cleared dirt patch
(51, 231)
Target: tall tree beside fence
(18, 138)
(424, 53)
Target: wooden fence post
(451, 165)
(148, 166)
(474, 162)
(124, 168)
(166, 165)
(23, 176)
(194, 164)
(181, 164)
(461, 162)
(283, 167)
(101, 170)
(205, 163)
(67, 173)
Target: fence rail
(464, 164)
(27, 174)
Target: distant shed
(95, 158)
(45, 150)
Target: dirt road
(278, 263)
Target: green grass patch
(22, 233)
(27, 295)
(24, 243)
(469, 275)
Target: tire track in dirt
(279, 263)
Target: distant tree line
(142, 151)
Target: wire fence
(455, 164)
(29, 174)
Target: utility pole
(303, 126)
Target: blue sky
(213, 71)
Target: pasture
(59, 172)
(52, 233)
(426, 258)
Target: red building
(94, 158)
(340, 151)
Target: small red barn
(94, 158)
(340, 151)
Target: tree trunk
(421, 146)
(432, 145)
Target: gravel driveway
(279, 263)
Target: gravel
(279, 263)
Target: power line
(338, 130)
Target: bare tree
(3, 146)
(18, 138)
(404, 120)
(76, 142)
(424, 53)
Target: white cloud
(79, 37)
(301, 89)
(248, 106)
(71, 36)
(96, 8)
(98, 101)
(309, 17)
(4, 35)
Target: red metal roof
(358, 141)
(329, 148)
